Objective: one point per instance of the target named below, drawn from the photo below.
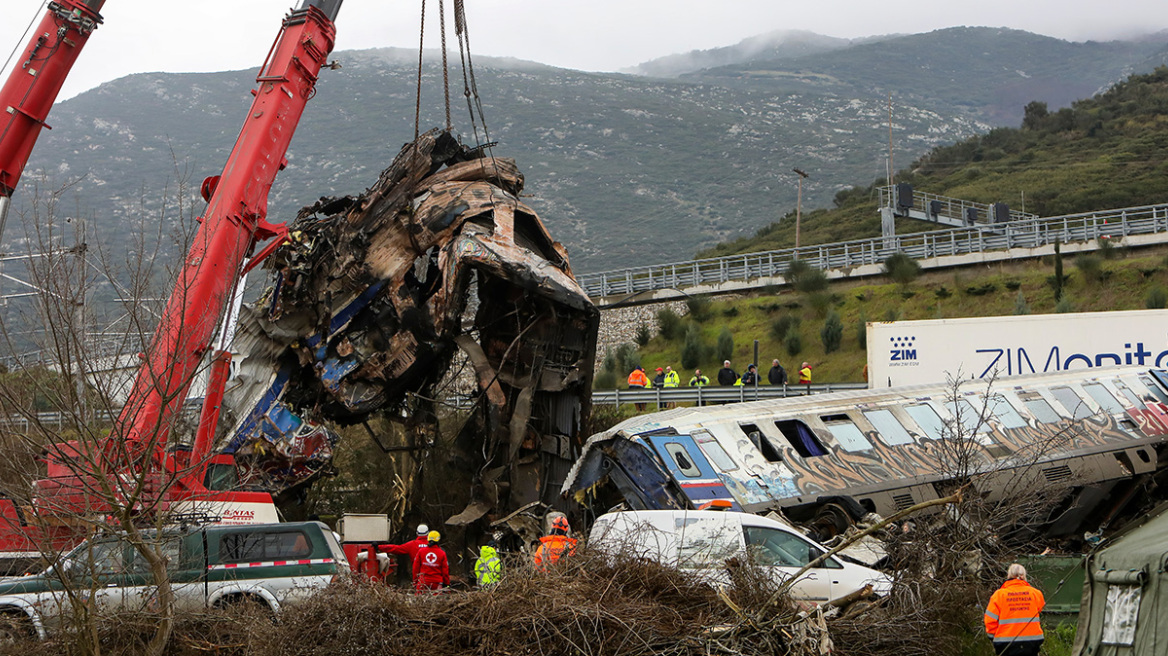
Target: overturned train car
(370, 300)
(1092, 439)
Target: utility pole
(798, 209)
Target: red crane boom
(35, 81)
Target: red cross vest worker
(1011, 618)
(556, 544)
(431, 571)
(409, 549)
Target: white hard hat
(423, 529)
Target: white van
(701, 541)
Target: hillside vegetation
(1113, 279)
(1105, 152)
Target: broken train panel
(1093, 438)
(372, 298)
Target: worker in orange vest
(1011, 618)
(555, 544)
(639, 380)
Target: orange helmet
(561, 523)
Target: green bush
(699, 307)
(820, 302)
(1107, 249)
(1091, 266)
(692, 350)
(605, 380)
(981, 290)
(783, 325)
(862, 332)
(805, 278)
(943, 292)
(902, 269)
(1156, 299)
(668, 323)
(1064, 305)
(832, 333)
(1020, 306)
(644, 334)
(627, 358)
(725, 348)
(793, 343)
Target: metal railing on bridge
(713, 395)
(710, 272)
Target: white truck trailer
(931, 351)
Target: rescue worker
(726, 375)
(698, 379)
(671, 378)
(659, 383)
(431, 570)
(638, 379)
(555, 545)
(409, 549)
(1011, 618)
(805, 376)
(488, 568)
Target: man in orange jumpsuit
(555, 545)
(1011, 618)
(431, 570)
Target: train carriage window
(761, 443)
(845, 431)
(1039, 408)
(1004, 412)
(890, 430)
(682, 459)
(1072, 402)
(802, 439)
(1131, 396)
(714, 451)
(970, 417)
(927, 418)
(1104, 398)
(1154, 389)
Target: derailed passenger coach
(827, 459)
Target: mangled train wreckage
(372, 297)
(1091, 440)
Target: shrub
(1020, 306)
(725, 347)
(1156, 299)
(805, 278)
(832, 332)
(668, 323)
(605, 380)
(892, 314)
(692, 350)
(627, 358)
(943, 292)
(699, 307)
(793, 343)
(644, 334)
(1013, 285)
(1091, 266)
(862, 332)
(820, 302)
(1107, 248)
(783, 325)
(902, 269)
(731, 311)
(981, 290)
(1064, 305)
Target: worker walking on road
(555, 545)
(1012, 616)
(488, 568)
(431, 570)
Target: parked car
(262, 565)
(700, 541)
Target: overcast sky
(593, 35)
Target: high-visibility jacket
(699, 381)
(431, 571)
(638, 378)
(805, 376)
(552, 548)
(488, 568)
(672, 379)
(1012, 614)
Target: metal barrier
(1150, 219)
(712, 395)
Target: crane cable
(470, 89)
